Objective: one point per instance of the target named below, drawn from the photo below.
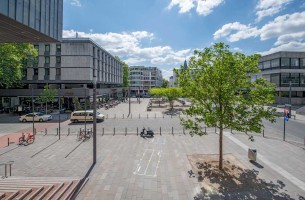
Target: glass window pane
(285, 78)
(295, 79)
(285, 62)
(47, 48)
(47, 59)
(275, 63)
(58, 59)
(294, 62)
(302, 62)
(302, 78)
(267, 64)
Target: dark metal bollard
(103, 131)
(35, 131)
(183, 131)
(171, 115)
(263, 132)
(123, 116)
(172, 130)
(205, 130)
(131, 116)
(231, 130)
(8, 141)
(155, 116)
(68, 131)
(125, 131)
(215, 129)
(114, 116)
(137, 131)
(113, 131)
(57, 131)
(147, 115)
(45, 131)
(107, 116)
(163, 115)
(160, 131)
(139, 115)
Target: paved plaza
(131, 167)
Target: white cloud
(283, 39)
(291, 46)
(75, 3)
(237, 49)
(241, 32)
(203, 7)
(282, 25)
(128, 46)
(166, 73)
(270, 7)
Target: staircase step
(46, 191)
(22, 195)
(34, 194)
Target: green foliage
(13, 58)
(218, 84)
(76, 103)
(46, 96)
(126, 72)
(165, 83)
(171, 94)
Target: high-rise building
(31, 21)
(287, 71)
(144, 78)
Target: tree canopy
(171, 94)
(46, 96)
(165, 83)
(13, 59)
(218, 84)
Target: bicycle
(27, 140)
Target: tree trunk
(220, 147)
(46, 108)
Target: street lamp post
(59, 108)
(129, 101)
(290, 92)
(94, 120)
(33, 111)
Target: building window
(47, 72)
(295, 62)
(58, 71)
(58, 59)
(285, 79)
(58, 47)
(302, 62)
(275, 63)
(47, 48)
(302, 79)
(285, 63)
(295, 79)
(36, 47)
(47, 59)
(275, 78)
(36, 71)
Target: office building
(142, 79)
(31, 21)
(70, 67)
(287, 71)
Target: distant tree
(13, 59)
(46, 96)
(217, 83)
(165, 83)
(171, 94)
(126, 72)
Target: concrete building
(287, 71)
(70, 67)
(143, 78)
(176, 76)
(171, 81)
(31, 21)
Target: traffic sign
(286, 118)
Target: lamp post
(290, 92)
(129, 100)
(94, 120)
(59, 108)
(33, 111)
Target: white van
(82, 115)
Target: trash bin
(252, 153)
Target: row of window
(47, 48)
(285, 79)
(47, 71)
(283, 63)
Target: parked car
(38, 117)
(82, 115)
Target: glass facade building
(287, 71)
(31, 20)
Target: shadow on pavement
(241, 184)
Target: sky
(164, 33)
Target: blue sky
(163, 33)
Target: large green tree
(218, 84)
(13, 59)
(171, 94)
